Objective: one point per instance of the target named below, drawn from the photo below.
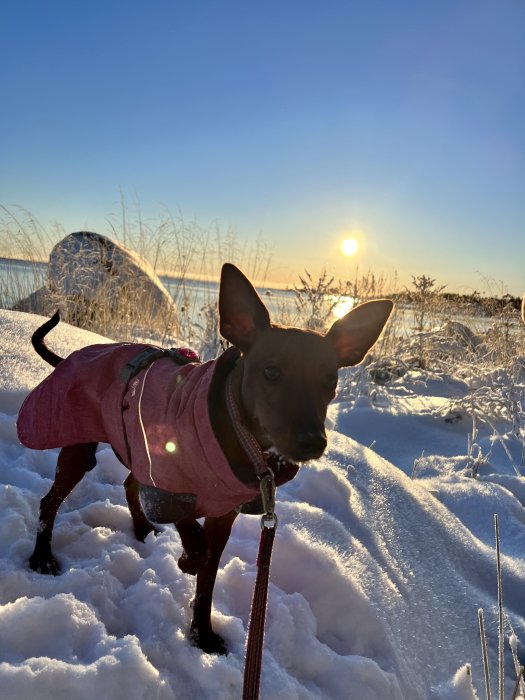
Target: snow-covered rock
(92, 278)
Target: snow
(384, 554)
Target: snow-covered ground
(384, 553)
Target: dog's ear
(243, 316)
(353, 335)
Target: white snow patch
(375, 584)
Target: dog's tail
(37, 340)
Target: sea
(20, 278)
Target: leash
(255, 640)
(259, 460)
(254, 644)
(247, 440)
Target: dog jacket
(158, 423)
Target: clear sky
(300, 121)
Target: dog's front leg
(195, 546)
(217, 532)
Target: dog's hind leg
(201, 634)
(73, 462)
(141, 525)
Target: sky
(296, 122)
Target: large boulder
(97, 282)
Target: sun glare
(349, 247)
(342, 305)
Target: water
(20, 278)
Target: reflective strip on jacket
(159, 424)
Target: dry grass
(481, 341)
(120, 307)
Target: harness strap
(182, 356)
(144, 360)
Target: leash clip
(267, 487)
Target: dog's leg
(141, 525)
(217, 532)
(195, 545)
(73, 462)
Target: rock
(95, 282)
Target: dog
(178, 425)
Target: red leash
(254, 645)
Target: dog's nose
(311, 443)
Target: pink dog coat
(159, 423)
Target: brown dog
(178, 425)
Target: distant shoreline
(170, 278)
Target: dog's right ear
(353, 335)
(243, 316)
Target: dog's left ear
(243, 316)
(353, 335)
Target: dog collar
(245, 437)
(260, 459)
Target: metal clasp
(267, 487)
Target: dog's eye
(272, 373)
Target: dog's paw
(142, 532)
(191, 563)
(208, 642)
(47, 565)
(142, 529)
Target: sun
(349, 247)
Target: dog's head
(290, 375)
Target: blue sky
(292, 120)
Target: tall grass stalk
(182, 249)
(513, 641)
(485, 656)
(518, 668)
(501, 633)
(519, 677)
(178, 249)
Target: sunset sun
(349, 247)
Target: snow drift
(375, 585)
